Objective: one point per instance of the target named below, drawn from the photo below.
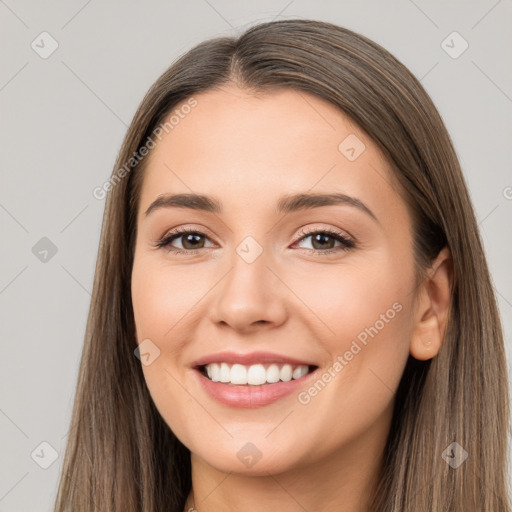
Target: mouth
(252, 380)
(258, 374)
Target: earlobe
(433, 308)
(426, 340)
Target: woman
(291, 307)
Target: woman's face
(267, 288)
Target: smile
(251, 380)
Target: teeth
(273, 373)
(238, 374)
(225, 373)
(255, 374)
(286, 373)
(213, 372)
(299, 372)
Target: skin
(248, 150)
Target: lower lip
(247, 396)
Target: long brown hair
(120, 453)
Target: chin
(257, 458)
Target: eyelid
(305, 231)
(189, 228)
(175, 233)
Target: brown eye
(191, 241)
(323, 241)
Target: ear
(432, 308)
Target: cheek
(166, 302)
(368, 315)
(367, 310)
(359, 300)
(161, 298)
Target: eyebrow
(286, 204)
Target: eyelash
(165, 242)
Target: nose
(250, 296)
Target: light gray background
(63, 120)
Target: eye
(322, 241)
(191, 241)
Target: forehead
(250, 148)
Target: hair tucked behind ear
(122, 456)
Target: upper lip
(248, 359)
